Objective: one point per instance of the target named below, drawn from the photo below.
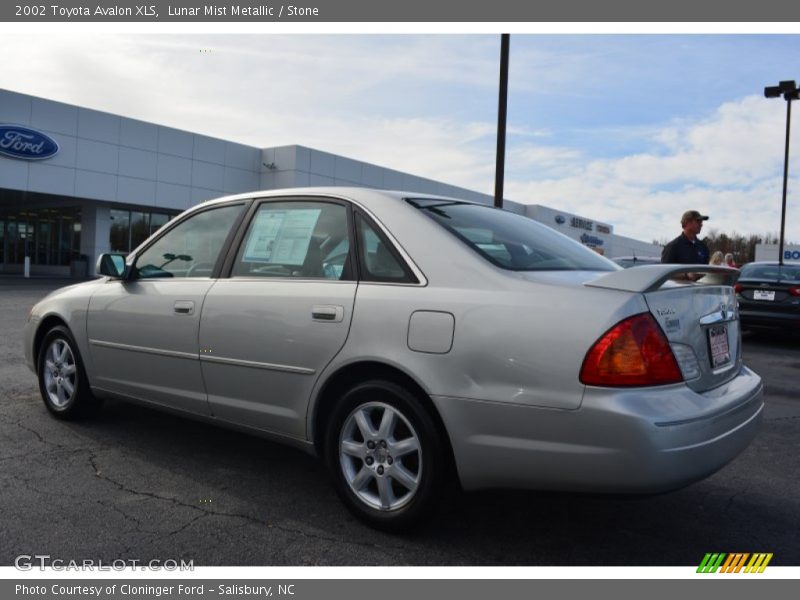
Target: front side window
(512, 241)
(306, 240)
(191, 248)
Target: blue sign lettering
(791, 254)
(591, 240)
(22, 142)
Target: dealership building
(76, 182)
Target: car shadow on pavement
(174, 484)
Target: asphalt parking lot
(139, 484)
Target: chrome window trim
(252, 279)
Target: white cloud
(728, 165)
(426, 105)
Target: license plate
(718, 343)
(763, 295)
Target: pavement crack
(205, 513)
(124, 488)
(37, 435)
(137, 523)
(734, 496)
(14, 457)
(188, 524)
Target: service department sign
(18, 141)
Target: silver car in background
(407, 339)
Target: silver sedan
(411, 341)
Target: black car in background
(769, 296)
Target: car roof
(363, 195)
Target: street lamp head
(787, 89)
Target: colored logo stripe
(734, 562)
(758, 563)
(711, 563)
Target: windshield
(512, 241)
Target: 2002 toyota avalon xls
(403, 337)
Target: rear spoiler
(649, 278)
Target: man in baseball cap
(687, 248)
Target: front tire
(385, 455)
(62, 378)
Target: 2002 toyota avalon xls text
(404, 337)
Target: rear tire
(385, 454)
(62, 378)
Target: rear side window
(377, 258)
(512, 241)
(307, 240)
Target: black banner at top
(457, 11)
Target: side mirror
(111, 265)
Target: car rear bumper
(771, 319)
(634, 440)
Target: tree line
(743, 247)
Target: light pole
(787, 89)
(502, 107)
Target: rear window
(511, 241)
(785, 272)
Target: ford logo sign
(22, 142)
(560, 219)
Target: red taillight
(795, 290)
(738, 288)
(633, 352)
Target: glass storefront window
(44, 242)
(75, 244)
(157, 220)
(140, 228)
(49, 236)
(131, 228)
(120, 231)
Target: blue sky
(628, 129)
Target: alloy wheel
(380, 456)
(60, 373)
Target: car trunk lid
(700, 319)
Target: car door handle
(329, 313)
(184, 307)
